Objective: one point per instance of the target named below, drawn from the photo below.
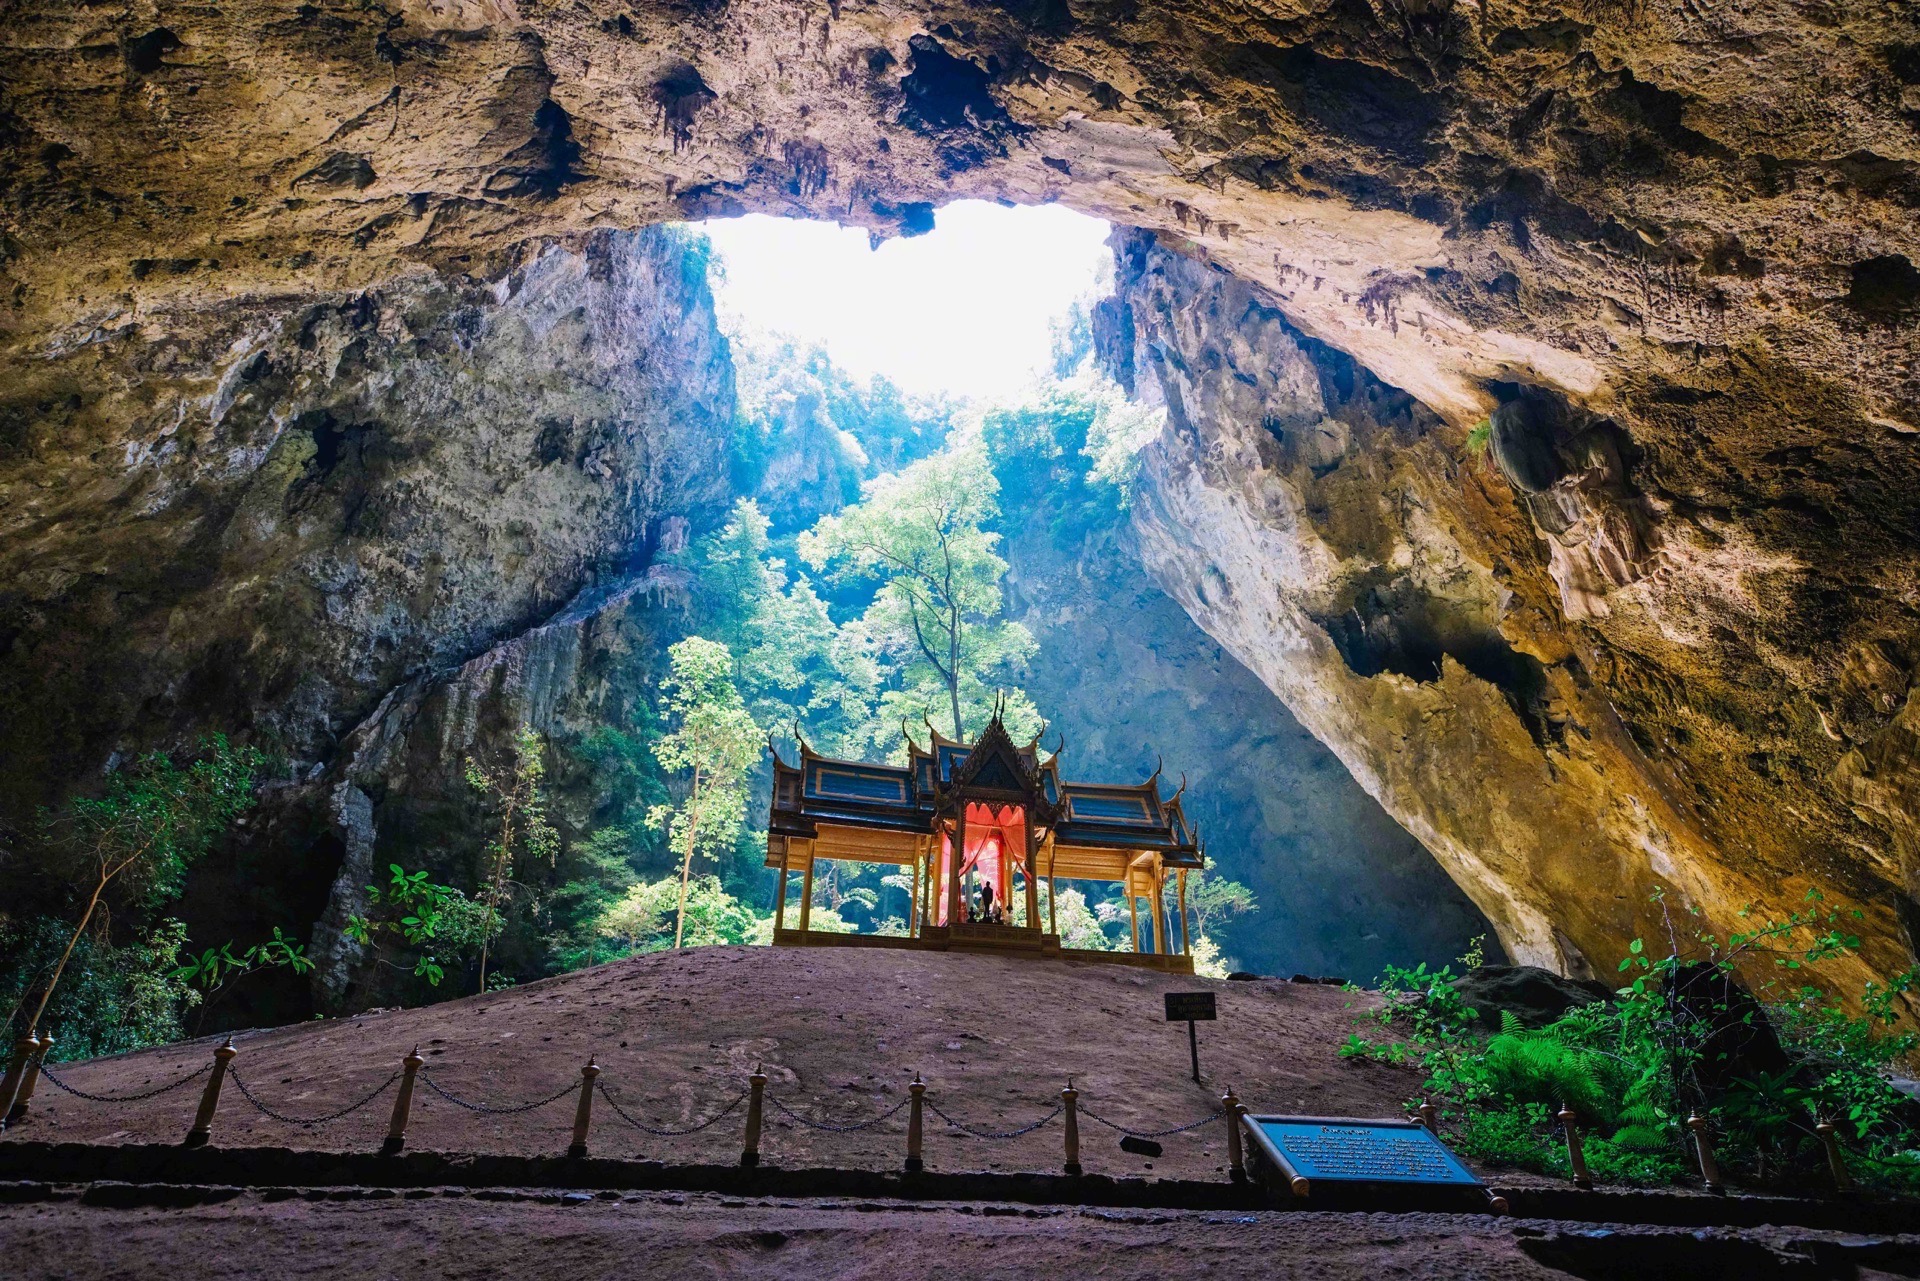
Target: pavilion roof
(910, 797)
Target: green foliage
(714, 742)
(933, 636)
(113, 998)
(778, 631)
(435, 923)
(215, 970)
(1632, 1069)
(154, 821)
(120, 856)
(512, 790)
(1071, 454)
(645, 918)
(1213, 901)
(1480, 437)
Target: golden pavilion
(983, 826)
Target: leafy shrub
(1634, 1068)
(112, 997)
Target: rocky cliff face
(1456, 628)
(1668, 248)
(1132, 683)
(316, 514)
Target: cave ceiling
(1665, 250)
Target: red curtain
(996, 843)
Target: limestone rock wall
(1564, 755)
(1669, 250)
(303, 522)
(1132, 682)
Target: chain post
(1070, 1104)
(583, 1113)
(210, 1097)
(1429, 1117)
(1236, 1163)
(1703, 1153)
(1836, 1162)
(917, 1090)
(756, 1092)
(23, 1051)
(29, 1077)
(402, 1104)
(1576, 1159)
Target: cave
(1541, 464)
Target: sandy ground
(534, 1236)
(840, 1032)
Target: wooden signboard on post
(1191, 1007)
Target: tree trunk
(686, 862)
(954, 623)
(46, 994)
(493, 888)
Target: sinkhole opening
(935, 475)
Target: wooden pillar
(1133, 911)
(1053, 892)
(913, 903)
(1231, 1108)
(956, 854)
(917, 1090)
(402, 1104)
(756, 1093)
(1069, 1100)
(806, 893)
(202, 1130)
(1181, 882)
(583, 1110)
(1033, 886)
(1159, 910)
(780, 908)
(928, 884)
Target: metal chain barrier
(638, 1124)
(488, 1108)
(46, 1074)
(992, 1134)
(262, 1108)
(1208, 1119)
(867, 1124)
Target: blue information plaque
(1323, 1149)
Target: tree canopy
(715, 742)
(934, 632)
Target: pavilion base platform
(1001, 939)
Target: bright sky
(964, 309)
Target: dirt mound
(840, 1033)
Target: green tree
(437, 922)
(1212, 900)
(779, 633)
(1071, 454)
(702, 914)
(715, 741)
(935, 622)
(218, 969)
(136, 842)
(513, 790)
